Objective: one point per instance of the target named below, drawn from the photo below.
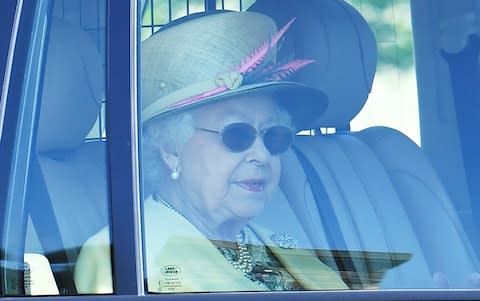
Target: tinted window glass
(233, 203)
(59, 171)
(258, 177)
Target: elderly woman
(217, 115)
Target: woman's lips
(253, 185)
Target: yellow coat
(180, 259)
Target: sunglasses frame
(257, 133)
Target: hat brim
(305, 104)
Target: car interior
(380, 190)
(66, 164)
(369, 202)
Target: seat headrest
(73, 88)
(342, 44)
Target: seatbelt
(328, 218)
(327, 214)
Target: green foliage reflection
(389, 19)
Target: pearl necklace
(243, 262)
(162, 201)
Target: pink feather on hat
(251, 69)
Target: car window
(60, 170)
(391, 24)
(262, 145)
(347, 204)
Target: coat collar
(185, 261)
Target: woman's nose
(258, 153)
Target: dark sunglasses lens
(277, 139)
(238, 137)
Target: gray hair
(173, 131)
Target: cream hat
(218, 56)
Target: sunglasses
(238, 137)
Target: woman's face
(223, 186)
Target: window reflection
(339, 211)
(212, 148)
(235, 202)
(67, 178)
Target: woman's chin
(250, 209)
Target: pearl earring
(175, 174)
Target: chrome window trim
(134, 30)
(363, 295)
(8, 65)
(15, 207)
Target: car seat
(68, 197)
(369, 191)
